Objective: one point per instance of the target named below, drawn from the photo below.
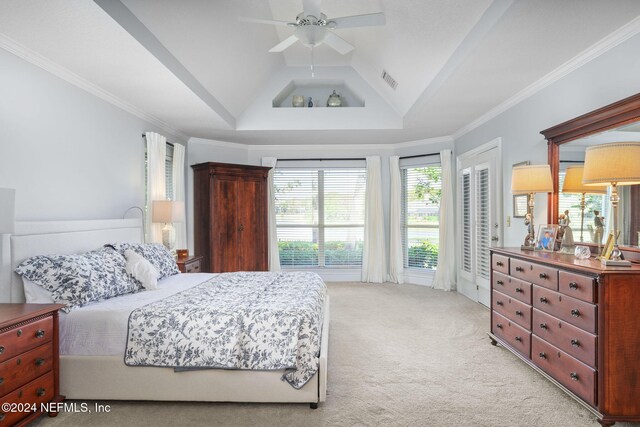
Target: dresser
(28, 361)
(230, 217)
(190, 264)
(574, 321)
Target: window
(421, 194)
(320, 216)
(571, 202)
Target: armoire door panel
(224, 239)
(251, 230)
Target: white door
(479, 227)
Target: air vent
(390, 80)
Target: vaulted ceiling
(194, 68)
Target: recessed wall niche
(319, 90)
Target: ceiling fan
(312, 27)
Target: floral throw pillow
(155, 253)
(76, 280)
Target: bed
(91, 368)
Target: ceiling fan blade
(284, 44)
(367, 20)
(338, 43)
(264, 21)
(311, 7)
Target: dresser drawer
(500, 263)
(535, 273)
(570, 372)
(574, 311)
(36, 392)
(577, 286)
(25, 337)
(192, 267)
(516, 336)
(512, 309)
(574, 341)
(23, 368)
(519, 289)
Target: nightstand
(28, 361)
(190, 264)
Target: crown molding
(218, 143)
(619, 36)
(46, 64)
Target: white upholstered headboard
(62, 237)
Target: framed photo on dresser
(546, 240)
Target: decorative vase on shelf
(297, 101)
(334, 100)
(310, 103)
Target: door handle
(494, 238)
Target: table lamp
(167, 212)
(573, 185)
(531, 179)
(614, 164)
(7, 210)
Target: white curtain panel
(178, 194)
(374, 263)
(156, 186)
(396, 262)
(445, 277)
(274, 255)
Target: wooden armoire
(230, 217)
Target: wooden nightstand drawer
(23, 368)
(36, 392)
(191, 264)
(23, 337)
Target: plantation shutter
(466, 220)
(483, 225)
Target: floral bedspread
(244, 320)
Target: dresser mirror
(568, 141)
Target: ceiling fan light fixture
(311, 35)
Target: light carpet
(399, 355)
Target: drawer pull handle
(544, 276)
(500, 282)
(542, 355)
(518, 313)
(543, 326)
(573, 285)
(19, 332)
(499, 325)
(1, 349)
(41, 391)
(40, 333)
(519, 339)
(575, 312)
(499, 302)
(574, 376)
(519, 269)
(500, 264)
(575, 343)
(519, 290)
(39, 361)
(544, 300)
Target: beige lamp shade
(167, 211)
(7, 210)
(573, 182)
(531, 179)
(617, 162)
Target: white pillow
(35, 294)
(142, 270)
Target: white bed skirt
(108, 378)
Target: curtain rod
(420, 155)
(320, 160)
(170, 143)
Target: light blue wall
(610, 77)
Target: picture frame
(520, 205)
(607, 249)
(546, 237)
